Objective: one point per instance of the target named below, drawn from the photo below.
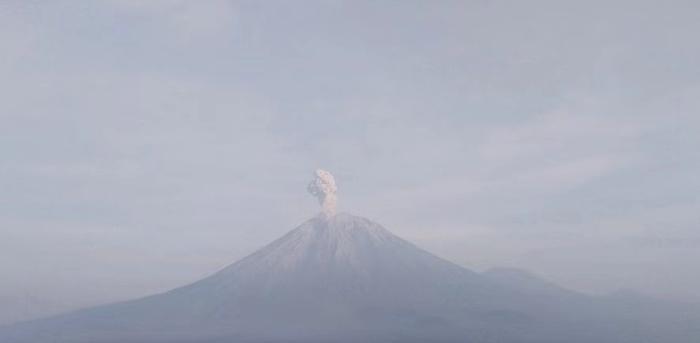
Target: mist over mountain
(344, 278)
(151, 149)
(19, 308)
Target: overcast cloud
(146, 144)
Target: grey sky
(147, 144)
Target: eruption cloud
(323, 188)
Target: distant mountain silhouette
(347, 279)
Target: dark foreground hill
(347, 279)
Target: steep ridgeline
(343, 278)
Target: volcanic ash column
(323, 187)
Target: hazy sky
(146, 144)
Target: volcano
(344, 278)
(340, 278)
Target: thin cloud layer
(490, 133)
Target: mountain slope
(345, 278)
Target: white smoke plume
(323, 187)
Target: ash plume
(323, 188)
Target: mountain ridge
(342, 278)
